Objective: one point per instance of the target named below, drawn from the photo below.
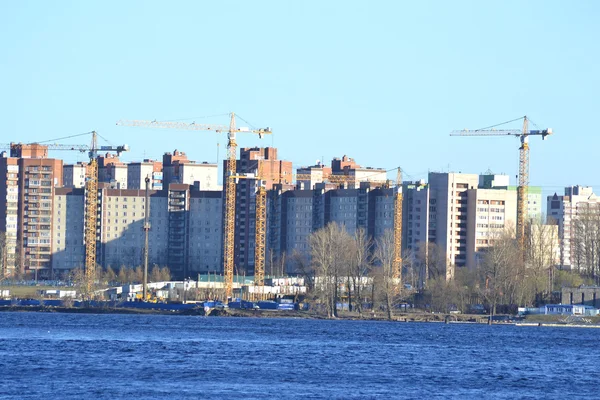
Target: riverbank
(528, 321)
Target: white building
(74, 175)
(137, 172)
(489, 213)
(564, 211)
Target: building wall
(206, 174)
(585, 295)
(564, 211)
(74, 175)
(415, 216)
(137, 173)
(68, 249)
(9, 200)
(489, 213)
(448, 196)
(122, 218)
(205, 232)
(38, 178)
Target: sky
(384, 82)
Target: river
(89, 356)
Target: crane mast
(523, 188)
(229, 225)
(91, 215)
(397, 262)
(260, 239)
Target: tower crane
(523, 188)
(397, 262)
(91, 194)
(230, 177)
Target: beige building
(564, 211)
(68, 250)
(448, 215)
(74, 175)
(489, 213)
(9, 206)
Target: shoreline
(464, 319)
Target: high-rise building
(578, 201)
(111, 170)
(489, 213)
(137, 172)
(254, 160)
(31, 179)
(68, 217)
(448, 212)
(9, 209)
(185, 233)
(177, 168)
(74, 175)
(416, 226)
(293, 215)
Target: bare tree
(330, 253)
(359, 267)
(542, 257)
(384, 254)
(585, 240)
(434, 262)
(501, 270)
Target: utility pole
(146, 231)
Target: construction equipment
(260, 235)
(522, 189)
(397, 262)
(230, 177)
(91, 209)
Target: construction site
(254, 235)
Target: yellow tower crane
(523, 188)
(397, 263)
(230, 177)
(260, 236)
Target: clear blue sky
(381, 81)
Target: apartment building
(137, 172)
(448, 214)
(205, 245)
(74, 175)
(177, 168)
(273, 171)
(9, 210)
(26, 208)
(564, 211)
(295, 214)
(417, 228)
(68, 248)
(490, 212)
(111, 170)
(185, 234)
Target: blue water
(87, 356)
